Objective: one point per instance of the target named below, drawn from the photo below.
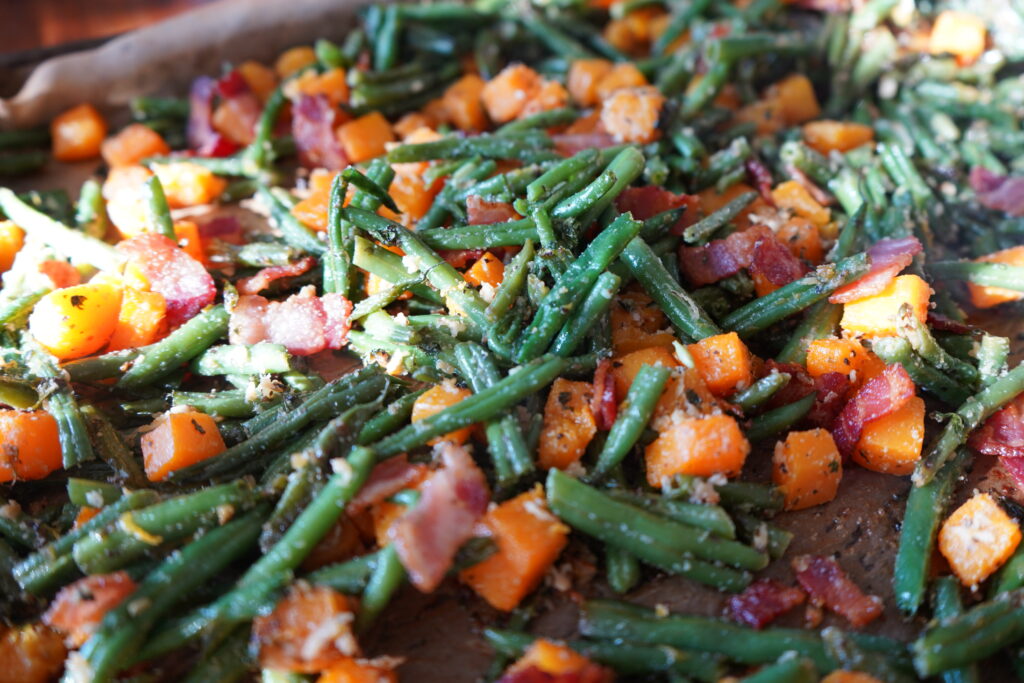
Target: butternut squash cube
(569, 424)
(977, 539)
(437, 398)
(837, 136)
(701, 446)
(892, 443)
(877, 315)
(724, 362)
(178, 440)
(807, 468)
(987, 297)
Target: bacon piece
(832, 6)
(604, 403)
(1003, 433)
(941, 323)
(831, 389)
(203, 138)
(304, 323)
(266, 276)
(386, 479)
(460, 258)
(761, 178)
(313, 124)
(568, 144)
(182, 280)
(429, 534)
(1015, 468)
(79, 607)
(719, 259)
(888, 258)
(881, 395)
(245, 106)
(1000, 192)
(61, 273)
(650, 200)
(591, 673)
(773, 260)
(225, 228)
(482, 212)
(762, 602)
(828, 585)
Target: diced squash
(187, 184)
(977, 539)
(876, 316)
(623, 75)
(529, 540)
(637, 323)
(842, 676)
(412, 122)
(80, 607)
(552, 658)
(412, 195)
(351, 670)
(436, 112)
(827, 136)
(190, 240)
(77, 134)
(331, 84)
(712, 200)
(631, 114)
(31, 446)
(795, 197)
(126, 199)
(463, 103)
(309, 630)
(641, 22)
(584, 75)
(177, 440)
(488, 270)
(845, 356)
(685, 393)
(624, 368)
(619, 35)
(437, 398)
(550, 95)
(292, 60)
(569, 424)
(366, 137)
(699, 446)
(85, 513)
(312, 210)
(506, 94)
(261, 79)
(75, 321)
(807, 468)
(31, 654)
(958, 33)
(132, 144)
(987, 297)
(766, 115)
(796, 99)
(236, 120)
(724, 362)
(12, 239)
(892, 443)
(803, 239)
(141, 320)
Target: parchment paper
(439, 634)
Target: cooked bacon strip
(226, 228)
(888, 258)
(1003, 433)
(831, 389)
(1000, 192)
(828, 585)
(303, 323)
(568, 144)
(604, 404)
(761, 178)
(1015, 468)
(776, 262)
(387, 478)
(941, 323)
(338, 322)
(762, 602)
(460, 258)
(202, 137)
(650, 200)
(719, 259)
(313, 125)
(79, 607)
(182, 280)
(429, 534)
(266, 276)
(482, 212)
(881, 395)
(592, 673)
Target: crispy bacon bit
(568, 144)
(482, 212)
(266, 276)
(773, 260)
(828, 585)
(888, 258)
(591, 673)
(719, 259)
(313, 124)
(881, 395)
(80, 606)
(763, 602)
(1003, 433)
(1015, 468)
(604, 403)
(831, 389)
(182, 280)
(309, 630)
(460, 258)
(225, 228)
(202, 137)
(941, 323)
(429, 534)
(833, 6)
(304, 323)
(61, 273)
(650, 200)
(1000, 192)
(761, 178)
(387, 478)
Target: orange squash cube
(554, 659)
(141, 321)
(842, 676)
(78, 133)
(331, 84)
(977, 539)
(987, 297)
(261, 79)
(624, 368)
(437, 398)
(845, 356)
(12, 239)
(766, 115)
(637, 323)
(464, 104)
(796, 99)
(685, 392)
(488, 270)
(351, 670)
(724, 362)
(178, 440)
(584, 75)
(622, 75)
(837, 136)
(699, 446)
(876, 315)
(631, 114)
(569, 424)
(795, 197)
(132, 144)
(892, 443)
(803, 239)
(807, 468)
(187, 184)
(366, 137)
(958, 33)
(550, 95)
(529, 540)
(75, 321)
(292, 60)
(505, 95)
(31, 445)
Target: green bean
(776, 421)
(387, 266)
(96, 368)
(632, 418)
(15, 311)
(752, 528)
(511, 284)
(754, 396)
(966, 419)
(701, 231)
(993, 352)
(258, 155)
(1010, 576)
(350, 576)
(917, 333)
(851, 657)
(239, 359)
(292, 230)
(819, 322)
(740, 494)
(20, 529)
(925, 507)
(28, 137)
(227, 662)
(947, 604)
(386, 422)
(580, 322)
(934, 381)
(85, 492)
(157, 211)
(388, 575)
(679, 24)
(545, 119)
(700, 515)
(983, 274)
(22, 163)
(91, 211)
(553, 38)
(144, 108)
(789, 669)
(60, 402)
(216, 403)
(621, 569)
(528, 146)
(179, 347)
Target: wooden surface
(32, 24)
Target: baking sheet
(439, 634)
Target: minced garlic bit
(10, 510)
(341, 466)
(661, 610)
(94, 499)
(138, 606)
(225, 513)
